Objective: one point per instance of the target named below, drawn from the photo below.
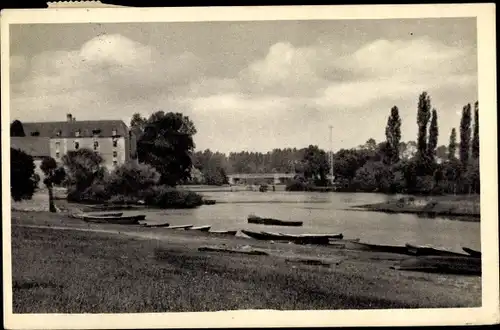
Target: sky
(251, 86)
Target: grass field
(70, 271)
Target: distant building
(112, 139)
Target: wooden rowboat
(376, 248)
(224, 232)
(179, 227)
(472, 253)
(262, 235)
(273, 222)
(127, 220)
(157, 225)
(425, 250)
(200, 228)
(106, 214)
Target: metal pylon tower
(331, 151)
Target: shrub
(131, 178)
(23, 179)
(298, 185)
(169, 197)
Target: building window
(77, 133)
(115, 154)
(58, 144)
(115, 162)
(96, 132)
(58, 133)
(36, 133)
(96, 145)
(113, 132)
(115, 143)
(57, 154)
(77, 145)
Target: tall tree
(16, 128)
(475, 137)
(465, 135)
(423, 116)
(167, 144)
(53, 175)
(84, 167)
(393, 136)
(433, 136)
(316, 165)
(23, 179)
(452, 146)
(137, 124)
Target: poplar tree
(465, 135)
(423, 116)
(452, 146)
(433, 136)
(475, 138)
(393, 136)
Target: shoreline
(465, 208)
(289, 276)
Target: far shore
(454, 206)
(65, 265)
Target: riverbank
(465, 207)
(64, 265)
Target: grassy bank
(462, 206)
(69, 271)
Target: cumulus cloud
(285, 98)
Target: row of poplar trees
(422, 173)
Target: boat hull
(273, 222)
(129, 220)
(430, 251)
(201, 228)
(471, 252)
(356, 245)
(179, 227)
(224, 232)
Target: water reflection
(325, 213)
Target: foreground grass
(65, 271)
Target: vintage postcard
(249, 166)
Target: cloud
(106, 72)
(286, 98)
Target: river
(324, 213)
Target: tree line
(166, 144)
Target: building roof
(87, 128)
(34, 146)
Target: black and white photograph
(215, 160)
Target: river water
(324, 213)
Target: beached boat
(319, 239)
(472, 253)
(273, 222)
(442, 264)
(425, 250)
(263, 235)
(179, 227)
(157, 225)
(107, 214)
(124, 220)
(356, 245)
(200, 228)
(224, 232)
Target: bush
(23, 179)
(131, 178)
(298, 185)
(169, 197)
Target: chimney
(69, 118)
